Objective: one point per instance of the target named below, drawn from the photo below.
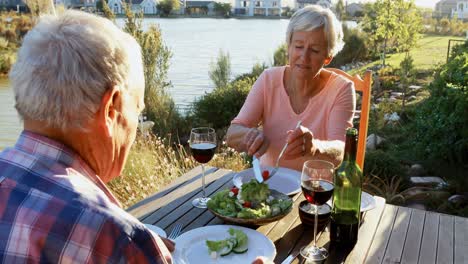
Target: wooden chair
(363, 86)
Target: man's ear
(328, 60)
(108, 110)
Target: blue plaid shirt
(54, 209)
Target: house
(355, 9)
(15, 5)
(147, 6)
(199, 8)
(444, 8)
(298, 4)
(257, 7)
(461, 10)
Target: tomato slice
(235, 190)
(265, 175)
(247, 204)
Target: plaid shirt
(54, 209)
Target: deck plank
(397, 237)
(445, 246)
(185, 213)
(367, 232)
(413, 237)
(147, 206)
(461, 240)
(179, 196)
(429, 239)
(379, 244)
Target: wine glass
(317, 186)
(202, 146)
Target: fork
(175, 231)
(281, 153)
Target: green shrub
(354, 50)
(219, 107)
(441, 122)
(383, 164)
(280, 57)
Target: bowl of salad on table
(252, 204)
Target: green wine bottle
(346, 212)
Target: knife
(256, 169)
(290, 258)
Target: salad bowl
(252, 204)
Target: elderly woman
(79, 86)
(302, 91)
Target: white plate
(367, 202)
(191, 246)
(157, 230)
(285, 180)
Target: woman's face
(308, 53)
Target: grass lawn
(430, 52)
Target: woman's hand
(255, 143)
(300, 143)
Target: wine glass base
(311, 253)
(200, 202)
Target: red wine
(203, 152)
(317, 192)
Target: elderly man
(78, 85)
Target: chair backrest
(363, 86)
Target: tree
(340, 10)
(406, 76)
(166, 6)
(392, 24)
(220, 72)
(223, 9)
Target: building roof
(198, 3)
(307, 1)
(134, 2)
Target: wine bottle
(346, 212)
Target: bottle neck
(350, 148)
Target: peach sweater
(327, 115)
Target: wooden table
(389, 234)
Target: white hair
(312, 17)
(65, 65)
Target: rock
(397, 95)
(427, 180)
(412, 98)
(392, 99)
(373, 141)
(416, 205)
(414, 87)
(394, 117)
(458, 199)
(416, 170)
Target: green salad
(251, 202)
(237, 243)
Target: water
(10, 126)
(195, 43)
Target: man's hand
(169, 244)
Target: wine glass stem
(203, 181)
(315, 225)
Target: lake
(195, 43)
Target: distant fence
(450, 46)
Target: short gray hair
(313, 17)
(65, 65)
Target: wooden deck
(388, 234)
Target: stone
(373, 141)
(416, 170)
(458, 199)
(412, 98)
(396, 95)
(427, 180)
(415, 87)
